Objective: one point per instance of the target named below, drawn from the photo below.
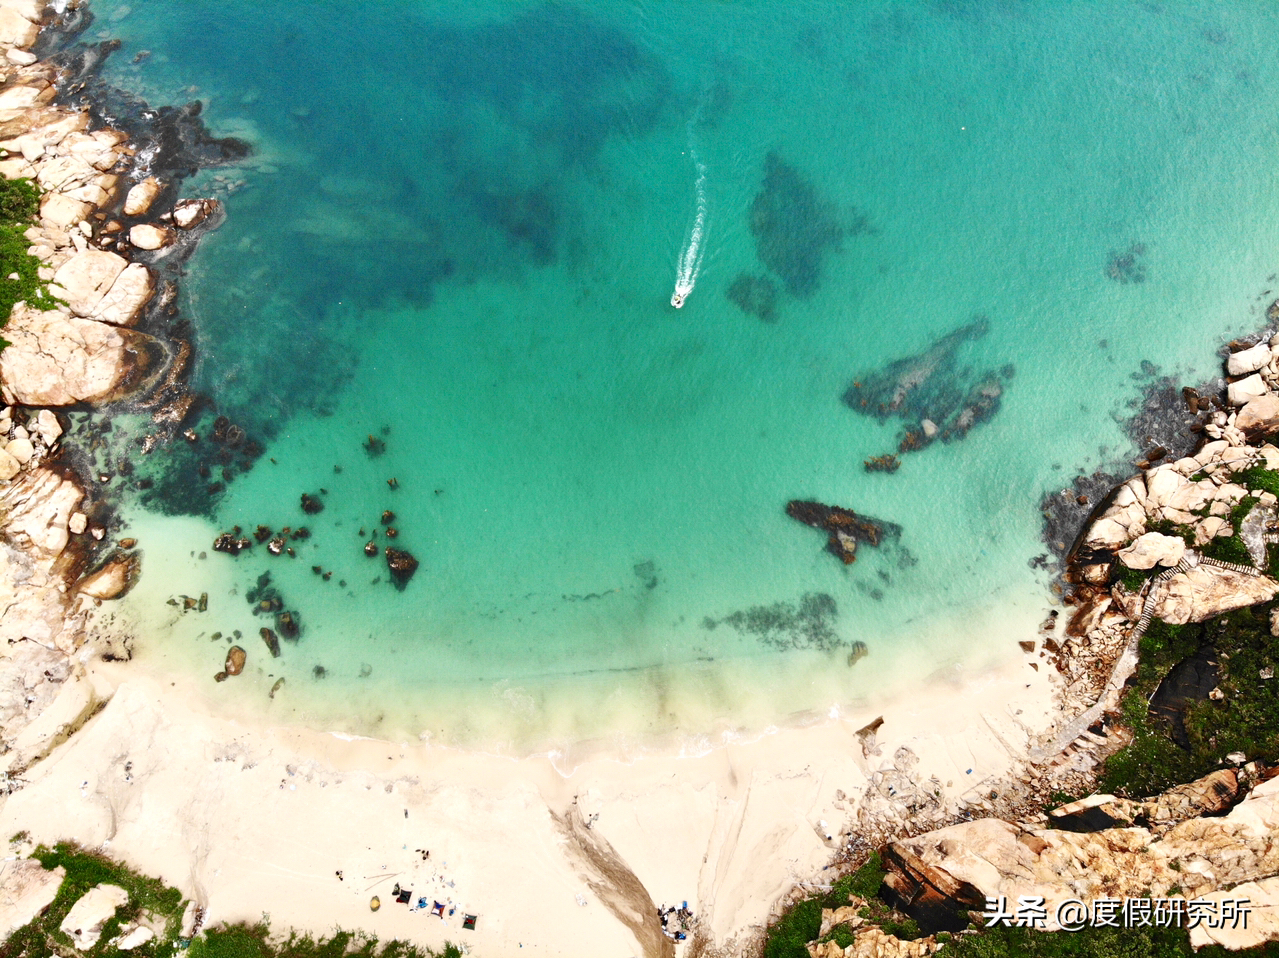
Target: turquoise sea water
(459, 233)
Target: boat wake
(690, 258)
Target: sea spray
(690, 258)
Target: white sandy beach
(253, 819)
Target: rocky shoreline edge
(1185, 541)
(112, 233)
(111, 236)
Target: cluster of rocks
(937, 397)
(103, 223)
(1208, 838)
(845, 528)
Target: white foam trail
(690, 259)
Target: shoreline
(248, 815)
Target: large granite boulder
(1153, 549)
(26, 889)
(1248, 360)
(85, 920)
(1260, 416)
(56, 359)
(105, 286)
(1207, 591)
(1245, 390)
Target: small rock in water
(272, 641)
(311, 505)
(402, 565)
(235, 659)
(262, 533)
(387, 518)
(392, 532)
(393, 483)
(230, 543)
(370, 548)
(279, 684)
(287, 623)
(128, 543)
(374, 447)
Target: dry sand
(250, 819)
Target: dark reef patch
(845, 528)
(785, 625)
(1127, 266)
(795, 227)
(937, 394)
(755, 296)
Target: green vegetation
(19, 204)
(1228, 549)
(1169, 528)
(1090, 943)
(790, 935)
(1134, 580)
(1245, 720)
(1258, 477)
(254, 941)
(150, 899)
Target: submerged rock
(402, 565)
(754, 295)
(370, 548)
(794, 227)
(231, 543)
(311, 504)
(235, 659)
(933, 391)
(272, 641)
(287, 623)
(846, 528)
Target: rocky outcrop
(1206, 591)
(1196, 857)
(1210, 795)
(57, 359)
(1152, 549)
(845, 528)
(85, 920)
(26, 889)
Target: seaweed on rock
(845, 527)
(810, 624)
(933, 391)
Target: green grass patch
(1228, 549)
(255, 941)
(151, 899)
(1258, 477)
(1246, 720)
(19, 205)
(1169, 528)
(1090, 943)
(42, 938)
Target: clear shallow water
(462, 228)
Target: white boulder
(1153, 549)
(21, 450)
(94, 909)
(46, 424)
(1245, 390)
(26, 890)
(146, 236)
(9, 467)
(1248, 360)
(142, 195)
(132, 939)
